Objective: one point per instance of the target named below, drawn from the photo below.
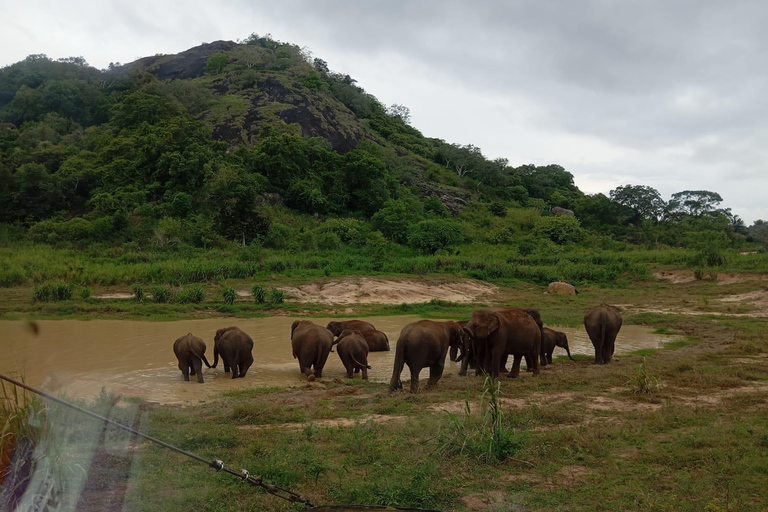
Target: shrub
(642, 382)
(497, 209)
(698, 273)
(329, 241)
(350, 231)
(276, 296)
(229, 294)
(85, 293)
(13, 276)
(430, 236)
(51, 292)
(259, 293)
(193, 294)
(161, 294)
(138, 292)
(561, 229)
(279, 236)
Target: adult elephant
(603, 323)
(457, 354)
(476, 352)
(236, 350)
(190, 351)
(311, 345)
(377, 341)
(549, 340)
(353, 352)
(353, 325)
(423, 344)
(498, 332)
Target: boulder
(562, 288)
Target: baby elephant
(190, 351)
(236, 350)
(353, 352)
(549, 340)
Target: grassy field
(679, 428)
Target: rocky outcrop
(561, 288)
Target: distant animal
(562, 211)
(336, 327)
(190, 351)
(424, 344)
(561, 288)
(603, 323)
(236, 350)
(549, 340)
(311, 345)
(353, 352)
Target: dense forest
(256, 143)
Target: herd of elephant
(484, 342)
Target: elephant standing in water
(496, 333)
(190, 351)
(353, 352)
(549, 340)
(236, 349)
(603, 323)
(377, 341)
(336, 327)
(311, 345)
(424, 344)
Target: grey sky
(668, 94)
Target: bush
(193, 294)
(561, 229)
(642, 382)
(350, 231)
(229, 294)
(85, 293)
(497, 209)
(279, 236)
(259, 293)
(161, 294)
(138, 292)
(429, 236)
(51, 292)
(276, 296)
(329, 241)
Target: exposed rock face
(187, 64)
(561, 288)
(562, 211)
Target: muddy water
(136, 358)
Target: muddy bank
(135, 358)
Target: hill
(255, 142)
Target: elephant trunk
(215, 355)
(454, 353)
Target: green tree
(232, 197)
(645, 202)
(694, 203)
(429, 236)
(216, 63)
(561, 229)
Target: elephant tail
(395, 383)
(358, 363)
(201, 357)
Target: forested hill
(257, 142)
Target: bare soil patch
(333, 422)
(686, 276)
(115, 296)
(366, 290)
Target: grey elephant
(190, 351)
(549, 340)
(236, 350)
(603, 323)
(311, 345)
(424, 344)
(353, 352)
(336, 327)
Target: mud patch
(365, 290)
(487, 501)
(114, 296)
(604, 403)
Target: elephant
(557, 210)
(549, 340)
(377, 341)
(498, 332)
(473, 349)
(190, 351)
(603, 323)
(355, 325)
(236, 349)
(353, 352)
(422, 344)
(311, 345)
(453, 354)
(562, 288)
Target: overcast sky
(669, 94)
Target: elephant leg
(598, 353)
(607, 353)
(498, 356)
(549, 357)
(192, 370)
(464, 365)
(244, 368)
(197, 368)
(365, 373)
(235, 372)
(515, 371)
(435, 372)
(542, 360)
(414, 378)
(184, 370)
(226, 365)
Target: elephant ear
(218, 334)
(491, 322)
(294, 325)
(345, 333)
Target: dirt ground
(367, 290)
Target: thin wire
(215, 464)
